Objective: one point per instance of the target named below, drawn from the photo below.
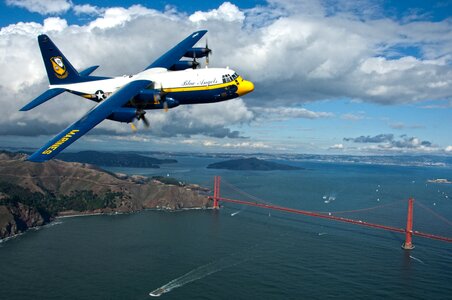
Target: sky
(331, 77)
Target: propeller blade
(165, 106)
(134, 128)
(145, 121)
(209, 51)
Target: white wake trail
(417, 259)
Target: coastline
(56, 219)
(86, 214)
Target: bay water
(244, 252)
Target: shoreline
(88, 214)
(82, 214)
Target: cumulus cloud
(236, 145)
(336, 53)
(43, 7)
(336, 147)
(388, 142)
(212, 120)
(284, 113)
(86, 9)
(381, 138)
(226, 12)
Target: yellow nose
(245, 87)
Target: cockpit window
(228, 78)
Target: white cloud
(390, 143)
(448, 149)
(118, 16)
(284, 113)
(337, 147)
(294, 52)
(236, 145)
(353, 116)
(226, 12)
(247, 145)
(43, 7)
(86, 9)
(54, 24)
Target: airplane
(166, 83)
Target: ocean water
(245, 252)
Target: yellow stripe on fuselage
(202, 87)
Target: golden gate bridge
(408, 231)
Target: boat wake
(198, 273)
(417, 259)
(235, 213)
(258, 250)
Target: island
(115, 159)
(252, 163)
(33, 194)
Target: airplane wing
(90, 120)
(175, 54)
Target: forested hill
(114, 159)
(31, 194)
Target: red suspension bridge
(407, 231)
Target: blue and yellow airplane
(166, 83)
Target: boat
(158, 292)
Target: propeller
(162, 95)
(141, 116)
(195, 63)
(209, 51)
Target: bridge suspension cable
(408, 231)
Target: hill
(110, 159)
(253, 163)
(31, 194)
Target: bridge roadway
(339, 219)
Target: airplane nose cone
(245, 87)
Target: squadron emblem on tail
(59, 67)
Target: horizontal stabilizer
(88, 71)
(47, 95)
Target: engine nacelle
(154, 99)
(197, 52)
(123, 114)
(184, 64)
(171, 103)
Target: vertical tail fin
(59, 69)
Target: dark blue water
(254, 254)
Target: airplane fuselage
(190, 86)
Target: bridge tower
(216, 192)
(408, 245)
